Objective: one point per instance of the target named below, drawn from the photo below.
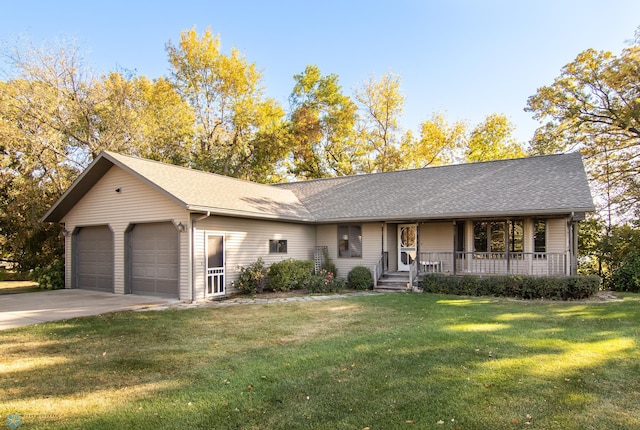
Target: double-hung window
(349, 241)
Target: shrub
(252, 278)
(360, 278)
(627, 276)
(327, 264)
(326, 282)
(287, 275)
(523, 287)
(50, 277)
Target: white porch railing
(380, 267)
(413, 273)
(494, 263)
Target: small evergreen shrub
(252, 278)
(287, 275)
(326, 282)
(518, 286)
(50, 277)
(360, 278)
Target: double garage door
(151, 259)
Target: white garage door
(153, 259)
(94, 258)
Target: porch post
(455, 247)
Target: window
(480, 243)
(540, 235)
(516, 236)
(494, 236)
(277, 246)
(349, 241)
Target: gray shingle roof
(552, 184)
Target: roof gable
(194, 190)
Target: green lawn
(379, 362)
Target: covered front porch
(540, 246)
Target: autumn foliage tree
(238, 131)
(321, 126)
(378, 132)
(55, 117)
(594, 107)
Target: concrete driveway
(18, 310)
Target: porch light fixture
(65, 232)
(181, 227)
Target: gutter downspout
(573, 245)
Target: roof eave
(80, 186)
(249, 214)
(460, 215)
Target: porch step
(393, 281)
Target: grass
(18, 287)
(379, 362)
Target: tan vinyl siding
(245, 241)
(436, 237)
(135, 203)
(557, 239)
(327, 235)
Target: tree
(55, 116)
(164, 122)
(594, 107)
(42, 107)
(322, 126)
(237, 130)
(439, 143)
(379, 134)
(492, 140)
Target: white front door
(407, 245)
(215, 265)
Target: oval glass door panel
(407, 245)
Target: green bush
(326, 282)
(627, 276)
(360, 278)
(252, 278)
(522, 287)
(50, 277)
(287, 275)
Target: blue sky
(467, 59)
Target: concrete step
(393, 281)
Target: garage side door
(153, 264)
(94, 258)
